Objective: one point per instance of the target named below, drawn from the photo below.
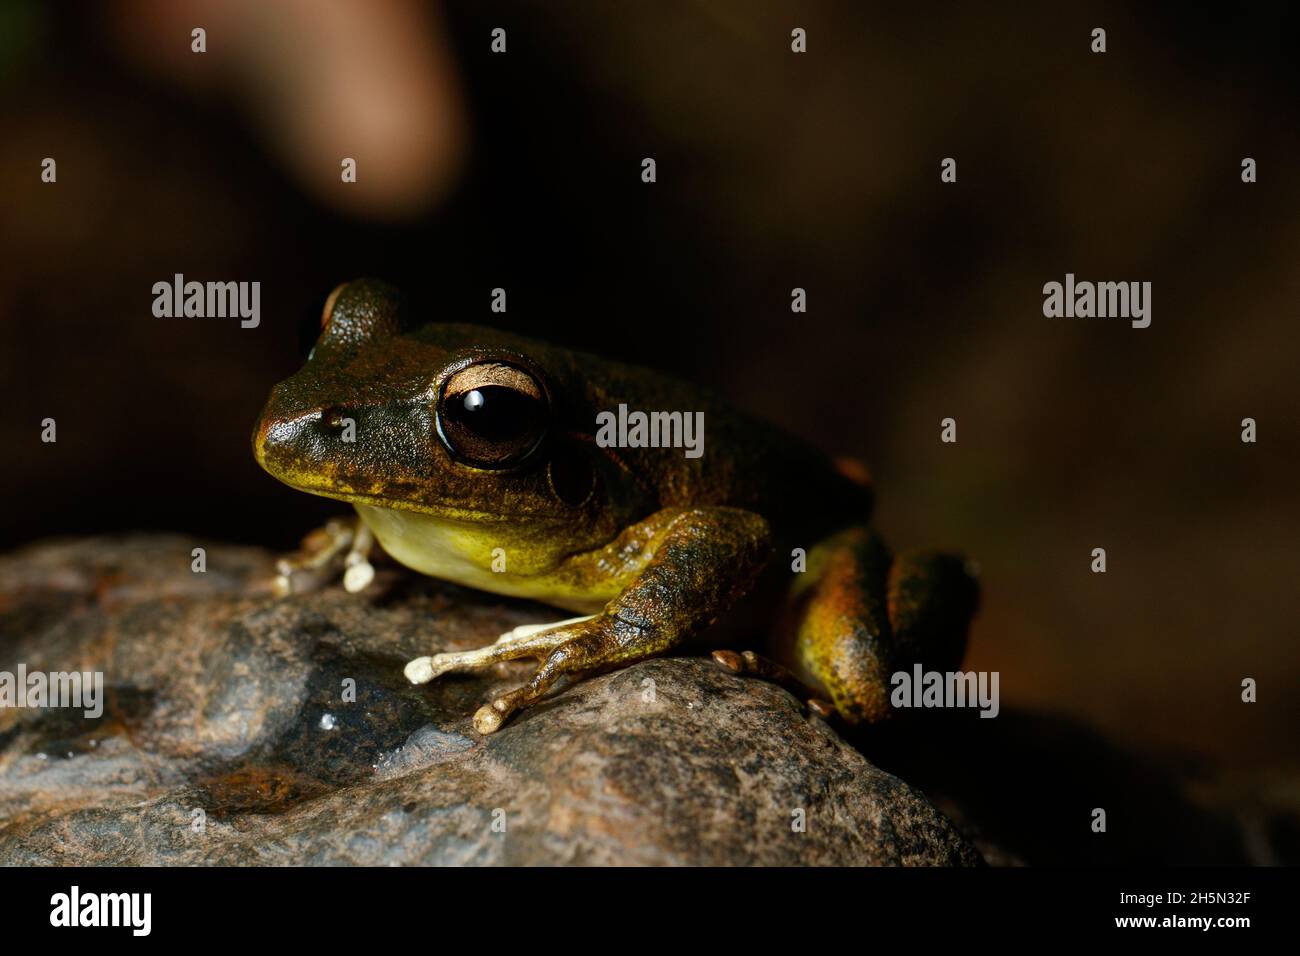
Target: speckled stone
(229, 735)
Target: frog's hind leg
(863, 614)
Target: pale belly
(460, 552)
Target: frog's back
(744, 463)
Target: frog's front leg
(690, 565)
(342, 543)
(526, 640)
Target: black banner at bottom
(339, 905)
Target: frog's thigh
(842, 637)
(865, 614)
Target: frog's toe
(822, 708)
(317, 560)
(358, 576)
(292, 577)
(424, 669)
(749, 664)
(529, 630)
(358, 571)
(571, 654)
(420, 670)
(488, 719)
(530, 644)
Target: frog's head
(466, 426)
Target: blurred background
(775, 170)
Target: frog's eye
(492, 415)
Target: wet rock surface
(242, 729)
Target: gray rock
(228, 736)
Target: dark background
(775, 171)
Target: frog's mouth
(444, 510)
(322, 478)
(385, 497)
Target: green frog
(486, 459)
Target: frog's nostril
(335, 418)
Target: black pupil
(497, 413)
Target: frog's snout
(278, 441)
(292, 444)
(325, 448)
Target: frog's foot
(569, 647)
(582, 645)
(755, 665)
(526, 640)
(341, 545)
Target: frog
(476, 456)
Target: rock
(228, 736)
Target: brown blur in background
(775, 170)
